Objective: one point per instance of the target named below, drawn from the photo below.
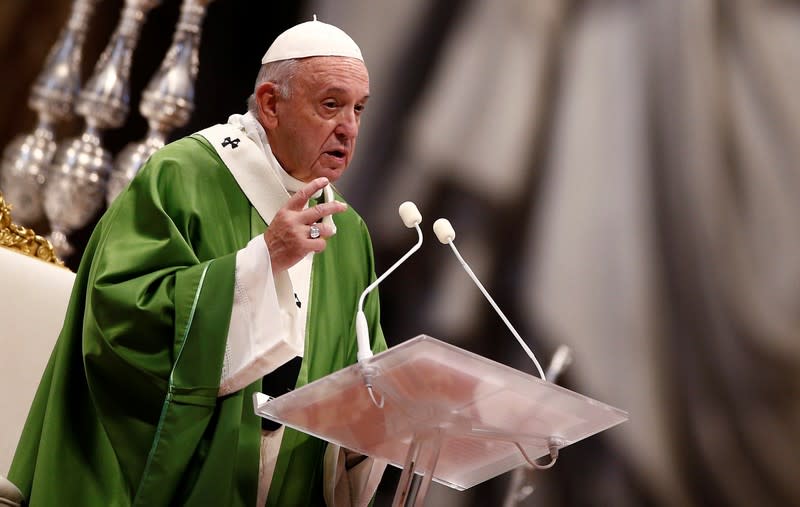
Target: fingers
(301, 197)
(289, 236)
(325, 231)
(317, 245)
(320, 211)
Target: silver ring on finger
(313, 232)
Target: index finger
(298, 201)
(320, 211)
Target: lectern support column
(423, 453)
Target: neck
(262, 138)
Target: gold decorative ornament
(24, 240)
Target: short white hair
(281, 73)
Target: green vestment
(127, 411)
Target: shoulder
(192, 153)
(184, 163)
(185, 176)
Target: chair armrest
(10, 495)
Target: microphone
(446, 234)
(411, 218)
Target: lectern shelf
(475, 410)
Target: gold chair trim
(24, 240)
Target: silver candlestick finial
(77, 179)
(168, 100)
(27, 158)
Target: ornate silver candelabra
(77, 178)
(168, 100)
(27, 158)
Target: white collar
(253, 129)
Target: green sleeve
(127, 406)
(156, 316)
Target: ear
(267, 101)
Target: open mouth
(339, 154)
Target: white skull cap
(312, 38)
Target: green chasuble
(127, 411)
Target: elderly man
(228, 266)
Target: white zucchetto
(312, 38)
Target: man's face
(314, 131)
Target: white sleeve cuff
(263, 333)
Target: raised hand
(288, 237)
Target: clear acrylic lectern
(442, 412)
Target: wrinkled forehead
(322, 72)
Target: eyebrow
(336, 89)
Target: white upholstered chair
(32, 306)
(33, 299)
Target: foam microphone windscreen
(410, 214)
(444, 231)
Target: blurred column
(76, 183)
(168, 100)
(27, 158)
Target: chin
(332, 174)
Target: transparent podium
(442, 413)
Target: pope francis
(228, 266)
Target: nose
(347, 127)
